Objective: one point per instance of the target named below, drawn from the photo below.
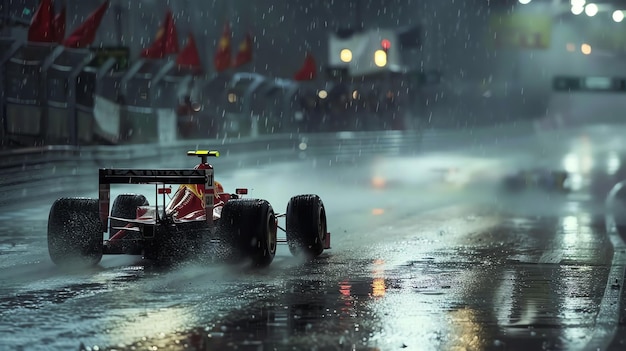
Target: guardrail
(26, 173)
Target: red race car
(181, 226)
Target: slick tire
(249, 227)
(125, 206)
(75, 235)
(306, 225)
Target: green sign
(121, 55)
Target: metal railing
(25, 173)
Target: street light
(591, 10)
(345, 55)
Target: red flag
(59, 26)
(41, 28)
(85, 34)
(308, 69)
(222, 55)
(244, 53)
(166, 41)
(188, 57)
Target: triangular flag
(188, 57)
(166, 41)
(59, 26)
(41, 28)
(222, 55)
(244, 53)
(85, 34)
(308, 71)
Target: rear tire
(306, 225)
(249, 227)
(125, 206)
(75, 234)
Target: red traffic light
(385, 44)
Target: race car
(538, 179)
(184, 225)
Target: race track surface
(429, 252)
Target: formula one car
(537, 178)
(198, 214)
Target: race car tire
(249, 227)
(306, 225)
(75, 235)
(125, 206)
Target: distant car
(180, 227)
(537, 178)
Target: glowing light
(345, 55)
(323, 94)
(571, 163)
(585, 49)
(232, 98)
(344, 288)
(385, 44)
(618, 16)
(355, 94)
(524, 2)
(166, 321)
(378, 182)
(302, 146)
(570, 223)
(591, 10)
(469, 333)
(578, 3)
(580, 160)
(378, 211)
(613, 163)
(378, 287)
(380, 58)
(577, 10)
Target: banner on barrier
(166, 119)
(107, 119)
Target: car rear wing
(152, 176)
(108, 176)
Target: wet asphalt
(428, 253)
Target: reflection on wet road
(418, 263)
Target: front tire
(75, 234)
(306, 225)
(249, 226)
